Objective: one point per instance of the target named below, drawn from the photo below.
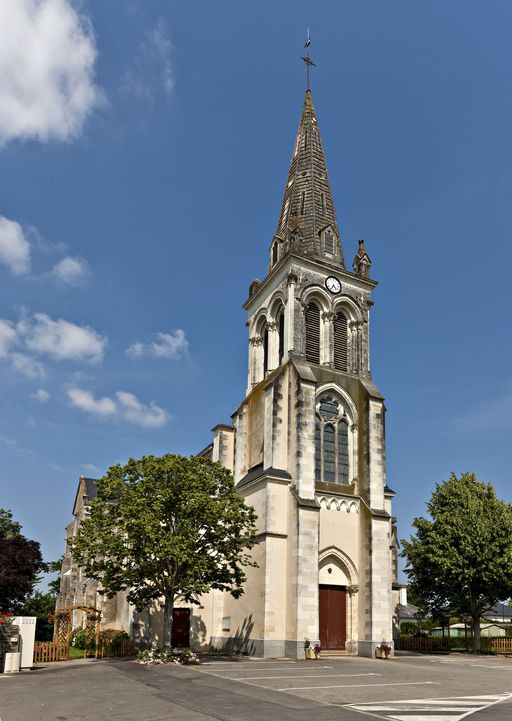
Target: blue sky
(144, 147)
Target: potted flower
(308, 651)
(316, 650)
(383, 650)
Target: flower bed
(180, 656)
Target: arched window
(332, 458)
(265, 351)
(340, 341)
(313, 333)
(343, 459)
(280, 330)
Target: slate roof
(308, 206)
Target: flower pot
(309, 654)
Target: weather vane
(307, 59)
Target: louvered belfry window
(313, 333)
(280, 328)
(329, 242)
(332, 459)
(265, 351)
(340, 342)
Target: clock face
(333, 284)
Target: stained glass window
(329, 454)
(343, 469)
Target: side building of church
(306, 448)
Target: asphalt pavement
(412, 688)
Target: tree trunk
(476, 634)
(168, 609)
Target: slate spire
(307, 221)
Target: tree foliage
(163, 527)
(461, 560)
(20, 563)
(40, 605)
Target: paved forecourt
(333, 689)
(444, 688)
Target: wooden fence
(45, 651)
(118, 648)
(498, 644)
(424, 644)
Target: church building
(306, 447)
(307, 444)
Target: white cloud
(47, 56)
(71, 271)
(41, 395)
(21, 343)
(14, 247)
(7, 337)
(62, 340)
(135, 350)
(13, 444)
(27, 365)
(148, 416)
(124, 406)
(167, 345)
(151, 70)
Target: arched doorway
(332, 602)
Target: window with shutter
(281, 336)
(340, 342)
(265, 352)
(313, 333)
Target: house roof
(499, 610)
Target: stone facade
(306, 447)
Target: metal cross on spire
(307, 59)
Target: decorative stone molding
(338, 503)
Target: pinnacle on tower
(307, 222)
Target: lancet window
(332, 456)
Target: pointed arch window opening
(274, 254)
(340, 342)
(265, 351)
(280, 329)
(332, 451)
(313, 333)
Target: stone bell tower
(307, 444)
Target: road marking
(362, 685)
(453, 708)
(239, 663)
(285, 678)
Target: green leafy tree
(40, 605)
(460, 561)
(21, 563)
(166, 527)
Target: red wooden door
(333, 617)
(180, 636)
